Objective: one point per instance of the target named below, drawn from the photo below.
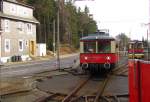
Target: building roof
(31, 20)
(19, 3)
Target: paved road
(26, 69)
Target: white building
(17, 30)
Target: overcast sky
(126, 16)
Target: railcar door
(113, 46)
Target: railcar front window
(90, 47)
(131, 46)
(139, 45)
(104, 47)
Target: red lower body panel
(139, 81)
(98, 58)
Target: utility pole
(58, 40)
(44, 29)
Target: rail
(101, 89)
(68, 97)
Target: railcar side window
(136, 46)
(104, 47)
(89, 47)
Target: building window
(7, 25)
(20, 26)
(25, 13)
(26, 42)
(7, 45)
(20, 45)
(29, 28)
(13, 9)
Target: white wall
(8, 59)
(18, 10)
(41, 49)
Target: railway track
(99, 96)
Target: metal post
(133, 56)
(82, 33)
(147, 47)
(54, 44)
(0, 84)
(118, 51)
(58, 40)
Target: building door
(32, 48)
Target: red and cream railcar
(136, 49)
(98, 52)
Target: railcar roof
(132, 42)
(97, 37)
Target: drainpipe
(0, 59)
(0, 40)
(1, 4)
(0, 34)
(1, 10)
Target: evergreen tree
(73, 22)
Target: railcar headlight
(108, 57)
(85, 58)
